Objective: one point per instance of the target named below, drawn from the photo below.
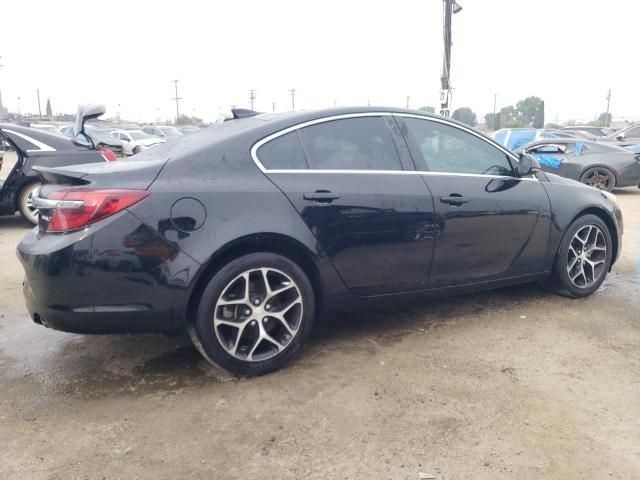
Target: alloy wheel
(587, 256)
(598, 179)
(258, 314)
(29, 209)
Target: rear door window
(362, 143)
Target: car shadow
(85, 366)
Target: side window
(284, 152)
(362, 143)
(449, 149)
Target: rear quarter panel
(239, 202)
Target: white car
(134, 141)
(163, 131)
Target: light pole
(450, 7)
(292, 92)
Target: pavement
(513, 383)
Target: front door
(350, 181)
(491, 224)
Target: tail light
(107, 154)
(78, 208)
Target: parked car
(163, 131)
(35, 148)
(135, 141)
(189, 129)
(625, 137)
(514, 138)
(591, 130)
(245, 232)
(568, 134)
(597, 164)
(100, 137)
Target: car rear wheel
(600, 178)
(584, 257)
(254, 315)
(25, 203)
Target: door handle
(321, 196)
(454, 199)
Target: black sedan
(30, 148)
(244, 233)
(600, 165)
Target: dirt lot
(516, 383)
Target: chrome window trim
(263, 169)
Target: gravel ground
(515, 383)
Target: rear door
(491, 224)
(351, 180)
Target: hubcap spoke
(587, 256)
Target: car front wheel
(584, 257)
(255, 314)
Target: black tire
(599, 177)
(23, 203)
(136, 150)
(561, 279)
(205, 338)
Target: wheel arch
(276, 243)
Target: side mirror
(620, 136)
(87, 112)
(527, 164)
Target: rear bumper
(117, 276)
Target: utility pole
(39, 108)
(368, 102)
(177, 99)
(273, 107)
(450, 7)
(292, 92)
(18, 106)
(407, 101)
(606, 121)
(252, 98)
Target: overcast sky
(127, 52)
